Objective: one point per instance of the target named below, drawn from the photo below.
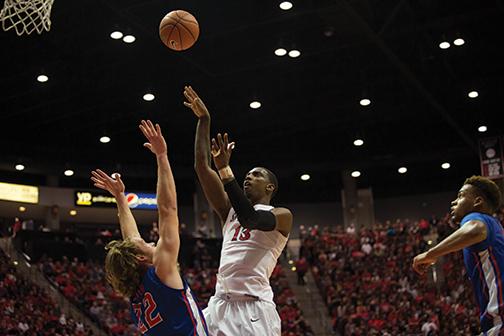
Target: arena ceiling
(386, 50)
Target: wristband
(226, 173)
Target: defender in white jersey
(255, 233)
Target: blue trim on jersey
(173, 306)
(484, 263)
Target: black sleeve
(249, 217)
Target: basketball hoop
(26, 16)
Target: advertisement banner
(491, 157)
(99, 199)
(19, 193)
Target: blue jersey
(484, 262)
(158, 310)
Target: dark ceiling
(387, 50)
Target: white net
(26, 16)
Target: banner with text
(19, 193)
(491, 157)
(98, 199)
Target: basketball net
(26, 16)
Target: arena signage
(492, 157)
(19, 193)
(97, 199)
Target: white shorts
(495, 331)
(241, 318)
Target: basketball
(179, 30)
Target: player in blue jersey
(162, 303)
(481, 237)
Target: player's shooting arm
(115, 186)
(279, 219)
(210, 182)
(469, 234)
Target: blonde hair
(122, 269)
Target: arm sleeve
(249, 217)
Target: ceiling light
(148, 97)
(294, 53)
(255, 104)
(20, 167)
(356, 173)
(305, 177)
(481, 129)
(358, 142)
(445, 165)
(22, 209)
(365, 102)
(105, 139)
(73, 212)
(68, 172)
(402, 170)
(473, 94)
(42, 78)
(459, 42)
(444, 45)
(280, 52)
(116, 35)
(129, 39)
(286, 5)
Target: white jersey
(248, 258)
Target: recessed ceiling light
(73, 212)
(280, 52)
(20, 167)
(305, 177)
(294, 53)
(148, 97)
(444, 45)
(22, 209)
(356, 173)
(129, 39)
(358, 142)
(459, 42)
(482, 129)
(42, 78)
(365, 102)
(68, 172)
(255, 104)
(473, 94)
(445, 165)
(286, 5)
(402, 170)
(105, 139)
(116, 35)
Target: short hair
(487, 189)
(122, 268)
(273, 180)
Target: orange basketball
(179, 30)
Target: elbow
(167, 209)
(201, 167)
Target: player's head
(126, 263)
(478, 194)
(260, 183)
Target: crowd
(84, 284)
(28, 309)
(370, 288)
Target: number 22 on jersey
(241, 234)
(149, 305)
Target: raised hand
(113, 184)
(221, 150)
(156, 142)
(195, 103)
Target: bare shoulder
(283, 219)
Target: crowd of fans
(84, 284)
(370, 287)
(28, 309)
